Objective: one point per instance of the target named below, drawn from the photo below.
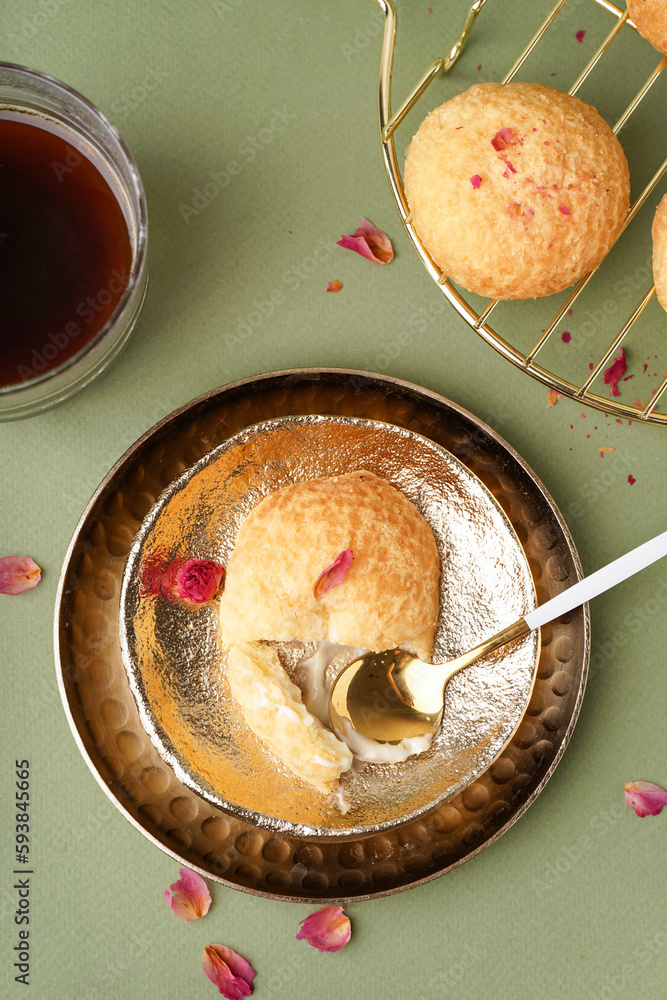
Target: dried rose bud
(198, 581)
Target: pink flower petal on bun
(328, 929)
(335, 574)
(334, 286)
(191, 898)
(198, 581)
(504, 138)
(613, 375)
(475, 180)
(370, 242)
(18, 573)
(228, 971)
(645, 798)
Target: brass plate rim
(368, 380)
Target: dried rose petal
(553, 397)
(328, 929)
(333, 575)
(632, 480)
(191, 898)
(228, 971)
(18, 573)
(157, 575)
(645, 798)
(579, 35)
(566, 337)
(475, 180)
(613, 375)
(564, 209)
(334, 286)
(370, 242)
(503, 138)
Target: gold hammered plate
(177, 668)
(258, 850)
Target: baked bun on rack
(650, 19)
(516, 190)
(660, 252)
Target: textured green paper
(268, 110)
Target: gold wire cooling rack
(479, 320)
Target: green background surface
(570, 902)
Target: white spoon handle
(604, 579)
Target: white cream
(315, 685)
(365, 748)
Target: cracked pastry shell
(389, 596)
(516, 190)
(659, 232)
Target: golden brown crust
(659, 232)
(516, 190)
(650, 19)
(390, 595)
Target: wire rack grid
(479, 320)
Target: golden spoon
(393, 695)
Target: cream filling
(315, 676)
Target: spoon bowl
(392, 695)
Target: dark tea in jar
(65, 251)
(73, 236)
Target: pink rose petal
(475, 180)
(370, 242)
(566, 337)
(645, 798)
(328, 929)
(191, 898)
(18, 573)
(198, 581)
(580, 35)
(503, 138)
(613, 375)
(632, 480)
(228, 971)
(334, 286)
(333, 575)
(564, 209)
